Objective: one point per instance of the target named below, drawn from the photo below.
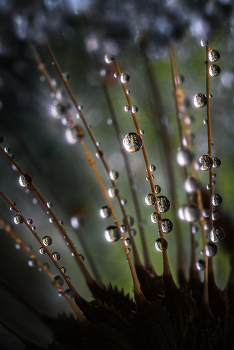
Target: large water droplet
(205, 162)
(211, 249)
(214, 70)
(192, 184)
(113, 175)
(200, 265)
(216, 200)
(214, 55)
(56, 256)
(105, 212)
(47, 240)
(132, 142)
(167, 225)
(150, 199)
(191, 213)
(199, 100)
(25, 180)
(18, 219)
(112, 234)
(164, 204)
(124, 78)
(184, 157)
(161, 244)
(217, 234)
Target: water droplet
(81, 256)
(142, 132)
(208, 187)
(109, 59)
(216, 162)
(189, 119)
(127, 108)
(157, 189)
(161, 244)
(51, 220)
(214, 70)
(46, 266)
(58, 279)
(11, 208)
(123, 228)
(32, 262)
(127, 242)
(18, 219)
(128, 220)
(192, 184)
(42, 250)
(199, 100)
(132, 142)
(123, 201)
(25, 180)
(206, 213)
(181, 212)
(205, 162)
(47, 240)
(113, 175)
(133, 232)
(154, 218)
(116, 75)
(105, 212)
(99, 154)
(56, 256)
(150, 199)
(113, 192)
(70, 293)
(63, 269)
(11, 155)
(61, 222)
(49, 204)
(33, 228)
(164, 204)
(135, 109)
(207, 226)
(124, 78)
(17, 246)
(75, 222)
(184, 157)
(211, 249)
(7, 149)
(216, 200)
(217, 234)
(205, 121)
(204, 42)
(194, 229)
(200, 265)
(191, 213)
(66, 76)
(128, 92)
(60, 293)
(167, 225)
(112, 234)
(214, 55)
(34, 201)
(74, 134)
(215, 216)
(152, 168)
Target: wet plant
(102, 191)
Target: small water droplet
(191, 213)
(47, 240)
(207, 226)
(124, 78)
(113, 192)
(142, 132)
(200, 265)
(123, 201)
(128, 92)
(32, 262)
(49, 204)
(63, 269)
(99, 154)
(194, 229)
(214, 70)
(152, 168)
(157, 189)
(164, 204)
(30, 221)
(109, 59)
(161, 244)
(66, 76)
(51, 220)
(135, 109)
(112, 234)
(58, 279)
(184, 157)
(123, 228)
(192, 184)
(33, 228)
(127, 108)
(205, 121)
(25, 180)
(128, 220)
(150, 199)
(211, 249)
(216, 200)
(74, 134)
(56, 256)
(200, 100)
(127, 242)
(75, 222)
(105, 212)
(18, 219)
(167, 225)
(205, 162)
(215, 216)
(113, 175)
(70, 293)
(214, 55)
(17, 246)
(132, 142)
(217, 234)
(206, 213)
(204, 42)
(154, 218)
(42, 250)
(216, 162)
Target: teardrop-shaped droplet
(215, 216)
(214, 55)
(18, 219)
(132, 142)
(105, 212)
(167, 225)
(56, 256)
(124, 78)
(216, 200)
(161, 244)
(192, 184)
(75, 222)
(217, 234)
(47, 240)
(113, 175)
(150, 199)
(184, 157)
(191, 213)
(164, 204)
(211, 249)
(25, 180)
(214, 70)
(63, 269)
(205, 162)
(112, 234)
(200, 100)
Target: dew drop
(66, 76)
(128, 92)
(191, 213)
(215, 216)
(60, 293)
(133, 232)
(63, 269)
(124, 78)
(180, 212)
(112, 234)
(127, 242)
(214, 70)
(152, 168)
(58, 279)
(113, 192)
(25, 180)
(56, 256)
(216, 162)
(217, 234)
(154, 218)
(46, 266)
(81, 256)
(128, 220)
(200, 100)
(132, 142)
(164, 204)
(123, 201)
(18, 219)
(204, 42)
(194, 229)
(70, 293)
(75, 222)
(113, 175)
(47, 240)
(216, 200)
(207, 226)
(49, 205)
(99, 154)
(211, 249)
(200, 265)
(206, 213)
(33, 228)
(192, 184)
(135, 109)
(208, 187)
(205, 162)
(150, 199)
(214, 55)
(142, 132)
(167, 225)
(105, 212)
(157, 189)
(17, 246)
(42, 250)
(184, 157)
(127, 108)
(109, 59)
(51, 220)
(7, 149)
(123, 228)
(205, 121)
(74, 134)
(161, 244)
(32, 262)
